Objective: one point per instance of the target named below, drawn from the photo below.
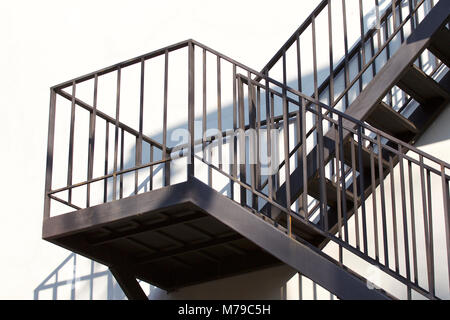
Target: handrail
(376, 55)
(123, 64)
(279, 54)
(330, 110)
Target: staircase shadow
(68, 281)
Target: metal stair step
(440, 45)
(388, 120)
(331, 188)
(366, 154)
(421, 87)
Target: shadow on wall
(280, 283)
(79, 278)
(435, 134)
(82, 279)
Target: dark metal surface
(187, 233)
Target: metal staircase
(350, 193)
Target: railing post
(241, 141)
(50, 143)
(446, 199)
(286, 149)
(191, 111)
(165, 150)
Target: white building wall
(47, 43)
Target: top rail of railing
(308, 22)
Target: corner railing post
(50, 143)
(191, 111)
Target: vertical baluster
(394, 213)
(299, 67)
(286, 150)
(330, 46)
(138, 160)
(269, 145)
(234, 142)
(191, 109)
(251, 145)
(383, 203)
(116, 134)
(430, 235)
(323, 190)
(411, 9)
(374, 204)
(204, 105)
(372, 50)
(416, 22)
(241, 142)
(277, 176)
(339, 200)
(300, 207)
(346, 62)
(362, 51)
(344, 201)
(402, 38)
(258, 129)
(50, 148)
(206, 155)
(166, 173)
(413, 222)
(219, 111)
(355, 191)
(151, 168)
(105, 172)
(436, 60)
(316, 87)
(446, 200)
(400, 20)
(394, 15)
(425, 223)
(378, 22)
(91, 148)
(298, 141)
(405, 220)
(71, 142)
(361, 188)
(304, 161)
(388, 52)
(122, 161)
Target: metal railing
(363, 214)
(388, 191)
(361, 60)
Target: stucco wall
(47, 43)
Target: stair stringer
(307, 260)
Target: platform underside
(168, 242)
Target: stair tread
(366, 153)
(388, 120)
(421, 87)
(331, 189)
(440, 45)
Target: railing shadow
(68, 281)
